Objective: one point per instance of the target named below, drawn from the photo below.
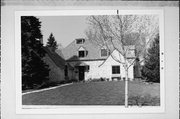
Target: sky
(64, 28)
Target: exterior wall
(71, 74)
(105, 70)
(94, 71)
(56, 73)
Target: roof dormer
(80, 41)
(104, 52)
(82, 52)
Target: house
(91, 61)
(57, 66)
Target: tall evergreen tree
(151, 69)
(34, 70)
(52, 42)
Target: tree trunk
(126, 88)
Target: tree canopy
(52, 42)
(105, 28)
(34, 69)
(151, 69)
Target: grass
(92, 93)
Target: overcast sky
(64, 28)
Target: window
(80, 41)
(104, 52)
(81, 53)
(115, 69)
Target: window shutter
(87, 68)
(86, 52)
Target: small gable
(81, 48)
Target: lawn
(92, 93)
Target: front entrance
(81, 73)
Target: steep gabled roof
(116, 56)
(71, 51)
(58, 60)
(129, 50)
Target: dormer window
(104, 52)
(82, 52)
(80, 41)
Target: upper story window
(104, 52)
(116, 69)
(82, 52)
(80, 41)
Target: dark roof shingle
(70, 52)
(58, 60)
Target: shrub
(89, 80)
(102, 79)
(74, 80)
(95, 80)
(98, 79)
(116, 78)
(66, 78)
(146, 100)
(65, 81)
(47, 85)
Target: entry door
(81, 73)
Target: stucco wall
(94, 71)
(105, 70)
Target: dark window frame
(80, 41)
(81, 53)
(116, 69)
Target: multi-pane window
(104, 52)
(115, 69)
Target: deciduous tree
(105, 29)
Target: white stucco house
(91, 61)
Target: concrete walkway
(35, 91)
